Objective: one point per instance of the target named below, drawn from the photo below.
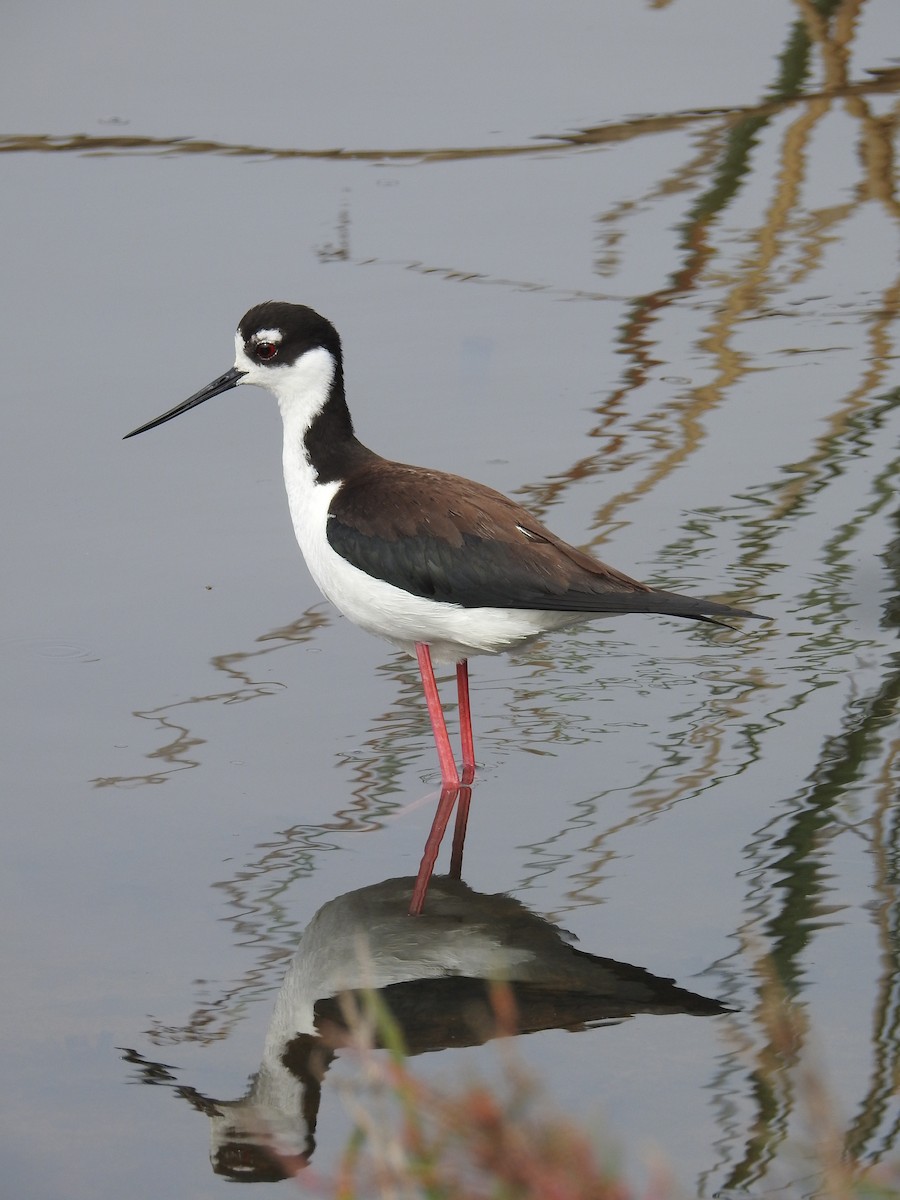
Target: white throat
(301, 388)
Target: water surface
(637, 266)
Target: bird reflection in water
(435, 974)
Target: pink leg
(465, 722)
(450, 781)
(429, 857)
(449, 773)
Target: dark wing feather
(446, 538)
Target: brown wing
(449, 539)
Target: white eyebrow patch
(267, 335)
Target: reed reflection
(438, 975)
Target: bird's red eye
(265, 351)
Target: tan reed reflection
(676, 429)
(850, 794)
(873, 1130)
(593, 136)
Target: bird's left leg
(465, 722)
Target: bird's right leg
(449, 773)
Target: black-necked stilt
(439, 565)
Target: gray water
(636, 265)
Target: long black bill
(223, 384)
